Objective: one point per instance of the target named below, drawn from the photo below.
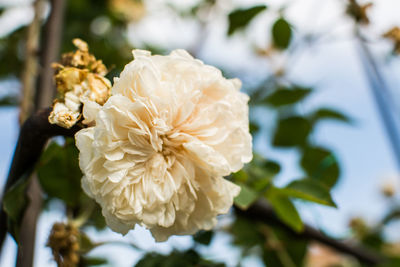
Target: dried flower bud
(81, 45)
(98, 88)
(64, 244)
(79, 79)
(82, 59)
(67, 77)
(394, 35)
(388, 189)
(359, 227)
(63, 116)
(358, 12)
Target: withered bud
(79, 78)
(358, 12)
(394, 35)
(68, 77)
(63, 116)
(82, 59)
(388, 189)
(64, 244)
(359, 226)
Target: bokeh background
(324, 54)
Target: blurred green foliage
(189, 258)
(281, 33)
(240, 18)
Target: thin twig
(381, 94)
(30, 72)
(262, 211)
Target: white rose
(162, 143)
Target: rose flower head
(160, 146)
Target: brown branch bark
(34, 134)
(30, 72)
(262, 211)
(27, 106)
(37, 130)
(50, 51)
(43, 97)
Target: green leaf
(327, 113)
(291, 250)
(240, 18)
(285, 209)
(272, 167)
(281, 33)
(253, 127)
(188, 258)
(286, 96)
(9, 100)
(310, 190)
(240, 176)
(203, 237)
(245, 233)
(96, 218)
(260, 173)
(292, 131)
(59, 172)
(15, 202)
(85, 243)
(391, 216)
(246, 197)
(320, 164)
(92, 261)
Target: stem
(262, 211)
(279, 248)
(30, 72)
(44, 95)
(82, 218)
(29, 79)
(381, 95)
(34, 134)
(50, 53)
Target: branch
(50, 49)
(34, 134)
(36, 131)
(381, 94)
(30, 72)
(262, 211)
(44, 95)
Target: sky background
(332, 66)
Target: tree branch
(34, 134)
(381, 94)
(262, 211)
(43, 97)
(50, 49)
